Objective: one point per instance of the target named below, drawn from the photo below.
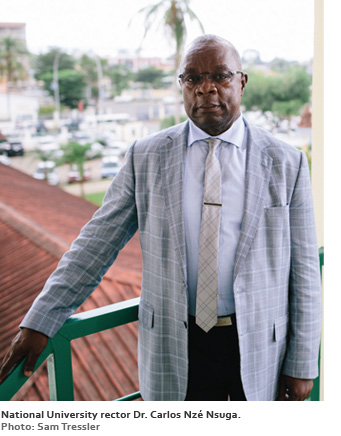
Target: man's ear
(244, 80)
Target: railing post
(315, 394)
(59, 367)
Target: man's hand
(28, 343)
(293, 389)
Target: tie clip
(213, 204)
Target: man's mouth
(208, 107)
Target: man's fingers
(294, 389)
(282, 393)
(30, 363)
(28, 343)
(8, 362)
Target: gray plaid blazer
(276, 273)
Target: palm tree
(12, 63)
(76, 154)
(174, 14)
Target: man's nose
(206, 86)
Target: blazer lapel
(172, 159)
(258, 171)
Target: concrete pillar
(318, 139)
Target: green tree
(283, 93)
(92, 68)
(71, 78)
(75, 154)
(257, 92)
(120, 77)
(72, 86)
(13, 63)
(172, 16)
(151, 76)
(279, 64)
(43, 63)
(170, 121)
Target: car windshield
(109, 164)
(44, 170)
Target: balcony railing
(58, 350)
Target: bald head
(211, 40)
(212, 83)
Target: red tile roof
(37, 224)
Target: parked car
(74, 176)
(72, 125)
(12, 148)
(110, 166)
(82, 137)
(49, 146)
(95, 150)
(47, 170)
(115, 148)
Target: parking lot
(29, 161)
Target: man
(263, 338)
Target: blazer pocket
(276, 221)
(281, 328)
(276, 211)
(146, 315)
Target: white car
(74, 176)
(110, 166)
(49, 146)
(47, 170)
(83, 138)
(115, 148)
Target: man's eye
(193, 79)
(221, 76)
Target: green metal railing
(315, 393)
(58, 350)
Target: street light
(56, 86)
(99, 81)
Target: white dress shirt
(232, 157)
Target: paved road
(90, 187)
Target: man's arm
(79, 271)
(82, 268)
(27, 343)
(301, 361)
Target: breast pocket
(276, 226)
(276, 214)
(269, 255)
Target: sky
(275, 28)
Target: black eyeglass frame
(232, 73)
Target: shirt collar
(234, 135)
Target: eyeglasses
(220, 78)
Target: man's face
(213, 105)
